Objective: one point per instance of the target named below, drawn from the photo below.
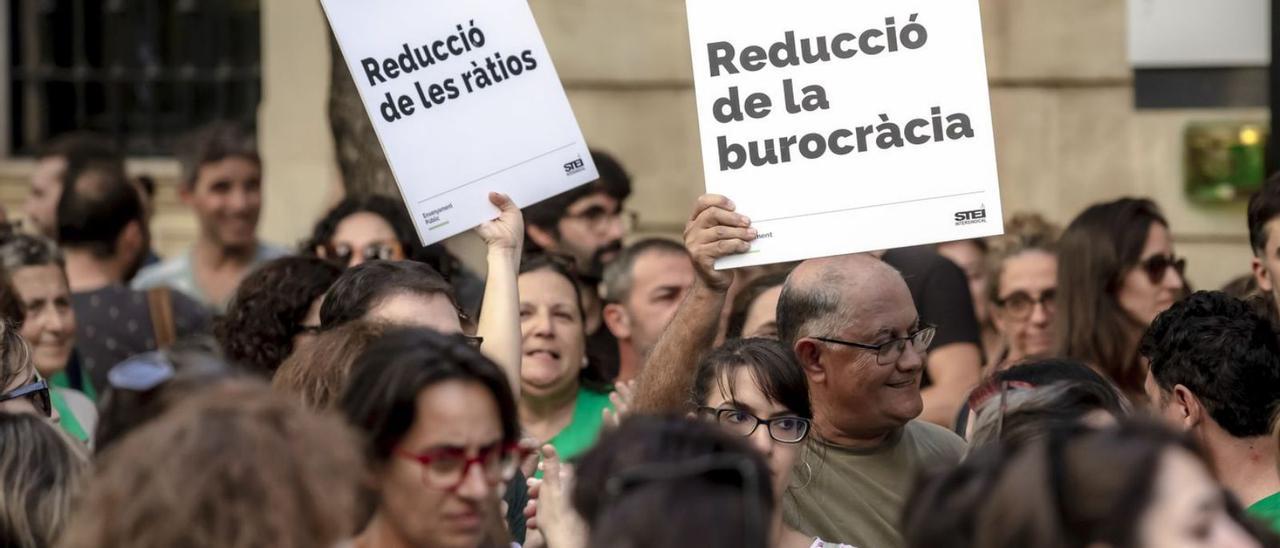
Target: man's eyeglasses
(1020, 305)
(1157, 266)
(341, 254)
(37, 391)
(781, 429)
(597, 218)
(446, 469)
(888, 352)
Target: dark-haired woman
(276, 308)
(1130, 486)
(440, 430)
(755, 389)
(663, 481)
(755, 307)
(374, 227)
(562, 399)
(1116, 273)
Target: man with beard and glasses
(103, 234)
(587, 225)
(222, 184)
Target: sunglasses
(1020, 304)
(341, 254)
(37, 391)
(1157, 266)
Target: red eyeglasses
(447, 468)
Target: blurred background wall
(1067, 133)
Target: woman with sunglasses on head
(21, 388)
(1116, 273)
(1021, 289)
(440, 434)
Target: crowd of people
(1051, 387)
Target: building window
(142, 71)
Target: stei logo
(574, 167)
(971, 217)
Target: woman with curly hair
(276, 308)
(373, 227)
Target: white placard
(878, 120)
(465, 101)
(1196, 33)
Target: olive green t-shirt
(855, 496)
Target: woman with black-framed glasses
(753, 388)
(1116, 272)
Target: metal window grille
(142, 71)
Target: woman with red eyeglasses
(440, 430)
(1116, 273)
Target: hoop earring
(807, 480)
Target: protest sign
(465, 101)
(842, 126)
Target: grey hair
(619, 275)
(18, 250)
(803, 311)
(1032, 413)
